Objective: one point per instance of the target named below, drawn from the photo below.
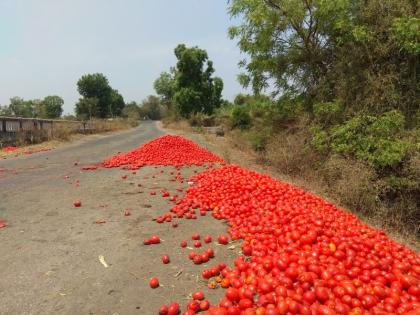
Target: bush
(240, 118)
(328, 112)
(258, 140)
(319, 139)
(371, 138)
(201, 120)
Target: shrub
(371, 138)
(258, 140)
(328, 112)
(319, 139)
(240, 118)
(201, 120)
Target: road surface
(49, 253)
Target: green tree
(96, 86)
(87, 108)
(164, 85)
(5, 111)
(116, 103)
(131, 110)
(193, 88)
(361, 52)
(151, 108)
(52, 106)
(21, 108)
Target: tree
(52, 106)
(87, 107)
(164, 85)
(21, 108)
(5, 111)
(195, 88)
(109, 102)
(362, 52)
(151, 108)
(131, 111)
(116, 103)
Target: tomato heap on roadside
(165, 150)
(9, 149)
(302, 255)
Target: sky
(47, 45)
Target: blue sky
(46, 45)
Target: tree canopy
(364, 53)
(99, 99)
(52, 106)
(191, 86)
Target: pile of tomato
(165, 150)
(9, 149)
(301, 254)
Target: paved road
(49, 252)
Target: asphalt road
(49, 253)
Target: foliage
(240, 118)
(151, 108)
(406, 32)
(202, 120)
(87, 107)
(131, 111)
(368, 138)
(5, 111)
(21, 108)
(52, 107)
(100, 99)
(191, 86)
(328, 112)
(258, 140)
(364, 54)
(164, 85)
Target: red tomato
(154, 283)
(165, 259)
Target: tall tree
(22, 108)
(164, 85)
(195, 88)
(108, 102)
(151, 108)
(116, 103)
(52, 106)
(87, 108)
(358, 51)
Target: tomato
(232, 294)
(210, 252)
(77, 203)
(222, 239)
(173, 309)
(154, 283)
(165, 259)
(300, 253)
(163, 310)
(184, 244)
(204, 305)
(321, 294)
(165, 150)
